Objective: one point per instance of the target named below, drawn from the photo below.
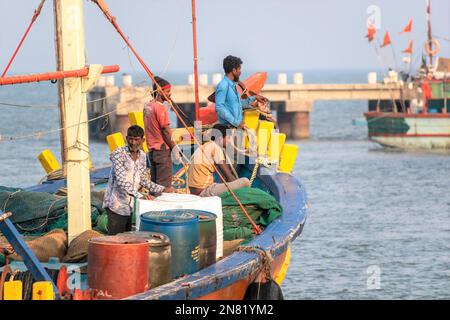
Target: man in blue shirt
(228, 101)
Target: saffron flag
(387, 40)
(410, 47)
(371, 30)
(426, 90)
(408, 27)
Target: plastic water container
(182, 228)
(175, 201)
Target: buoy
(276, 144)
(12, 290)
(288, 157)
(48, 161)
(115, 141)
(428, 46)
(43, 290)
(263, 136)
(137, 118)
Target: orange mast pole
(194, 40)
(37, 77)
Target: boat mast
(59, 67)
(194, 39)
(69, 40)
(430, 35)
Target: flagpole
(430, 36)
(194, 40)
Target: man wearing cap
(158, 134)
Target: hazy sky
(266, 34)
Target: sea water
(379, 220)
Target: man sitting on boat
(128, 174)
(201, 170)
(158, 134)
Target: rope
(265, 257)
(39, 134)
(112, 20)
(255, 171)
(26, 105)
(33, 19)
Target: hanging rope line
(112, 20)
(39, 134)
(33, 19)
(7, 104)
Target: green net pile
(36, 213)
(262, 207)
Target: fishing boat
(264, 259)
(423, 120)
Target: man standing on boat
(229, 103)
(128, 174)
(158, 134)
(201, 170)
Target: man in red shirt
(159, 135)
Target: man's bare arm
(167, 137)
(225, 169)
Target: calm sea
(379, 223)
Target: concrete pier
(292, 102)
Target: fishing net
(261, 206)
(36, 213)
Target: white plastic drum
(171, 201)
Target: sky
(290, 35)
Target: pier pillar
(293, 119)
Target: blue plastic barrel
(182, 228)
(208, 237)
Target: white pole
(71, 53)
